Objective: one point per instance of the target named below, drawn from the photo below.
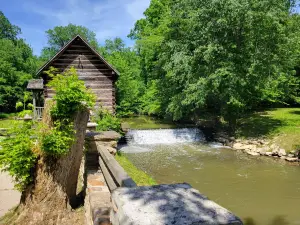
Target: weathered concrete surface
(174, 204)
(8, 196)
(102, 136)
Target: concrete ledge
(102, 136)
(174, 204)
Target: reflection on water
(260, 190)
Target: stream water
(260, 190)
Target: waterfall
(164, 136)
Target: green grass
(139, 177)
(6, 123)
(281, 125)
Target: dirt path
(8, 196)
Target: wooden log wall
(91, 69)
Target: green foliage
(7, 30)
(70, 94)
(57, 141)
(140, 177)
(17, 155)
(25, 112)
(130, 86)
(107, 121)
(59, 36)
(19, 105)
(70, 97)
(4, 115)
(17, 65)
(227, 56)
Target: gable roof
(61, 51)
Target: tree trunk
(50, 199)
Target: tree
(17, 65)
(59, 36)
(130, 86)
(7, 30)
(226, 56)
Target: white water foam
(164, 136)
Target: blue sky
(107, 18)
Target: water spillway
(164, 136)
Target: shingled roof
(35, 84)
(61, 51)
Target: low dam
(260, 190)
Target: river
(260, 190)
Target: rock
(268, 153)
(27, 117)
(291, 155)
(103, 136)
(92, 126)
(250, 147)
(125, 127)
(281, 152)
(252, 153)
(291, 159)
(238, 146)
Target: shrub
(107, 121)
(4, 115)
(25, 112)
(57, 141)
(70, 96)
(17, 155)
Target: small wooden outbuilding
(91, 67)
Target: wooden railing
(114, 174)
(38, 113)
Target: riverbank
(273, 133)
(140, 177)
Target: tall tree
(7, 30)
(61, 35)
(130, 86)
(227, 56)
(17, 65)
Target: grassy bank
(280, 125)
(140, 177)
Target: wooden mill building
(91, 67)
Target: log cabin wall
(94, 71)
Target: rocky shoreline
(259, 147)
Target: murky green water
(260, 190)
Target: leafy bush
(17, 155)
(70, 96)
(107, 121)
(4, 115)
(24, 112)
(56, 142)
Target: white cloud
(106, 18)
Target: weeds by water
(139, 176)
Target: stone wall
(98, 199)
